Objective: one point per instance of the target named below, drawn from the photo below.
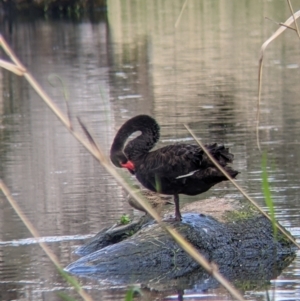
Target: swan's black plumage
(173, 169)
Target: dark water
(204, 73)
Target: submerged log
(234, 236)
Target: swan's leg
(177, 209)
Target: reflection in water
(203, 72)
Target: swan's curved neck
(141, 144)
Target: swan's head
(120, 160)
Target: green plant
(131, 292)
(267, 193)
(125, 219)
(65, 297)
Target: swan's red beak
(129, 165)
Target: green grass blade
(71, 280)
(131, 292)
(65, 297)
(267, 193)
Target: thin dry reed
(181, 12)
(278, 32)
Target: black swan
(174, 169)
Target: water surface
(204, 73)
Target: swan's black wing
(182, 168)
(178, 160)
